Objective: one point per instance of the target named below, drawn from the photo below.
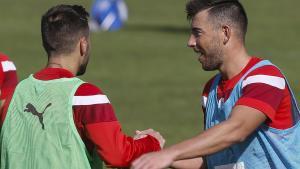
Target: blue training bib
(266, 148)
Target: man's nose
(191, 41)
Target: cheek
(214, 43)
(204, 41)
(200, 42)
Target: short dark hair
(62, 26)
(229, 11)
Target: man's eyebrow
(196, 29)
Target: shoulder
(88, 89)
(270, 70)
(91, 105)
(6, 64)
(3, 57)
(268, 74)
(89, 94)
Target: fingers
(155, 160)
(145, 131)
(153, 133)
(143, 163)
(139, 163)
(139, 135)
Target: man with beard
(251, 114)
(55, 120)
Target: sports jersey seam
(71, 118)
(53, 81)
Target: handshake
(151, 132)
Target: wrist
(173, 153)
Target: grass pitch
(151, 77)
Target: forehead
(200, 19)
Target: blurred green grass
(151, 77)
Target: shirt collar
(53, 73)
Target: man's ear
(226, 30)
(83, 44)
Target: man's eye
(196, 34)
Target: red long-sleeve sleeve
(99, 128)
(115, 148)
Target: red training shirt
(264, 89)
(97, 124)
(8, 76)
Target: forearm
(117, 149)
(242, 122)
(212, 140)
(195, 163)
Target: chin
(209, 68)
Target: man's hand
(156, 160)
(151, 132)
(139, 135)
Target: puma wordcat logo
(31, 109)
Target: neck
(54, 65)
(64, 62)
(234, 62)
